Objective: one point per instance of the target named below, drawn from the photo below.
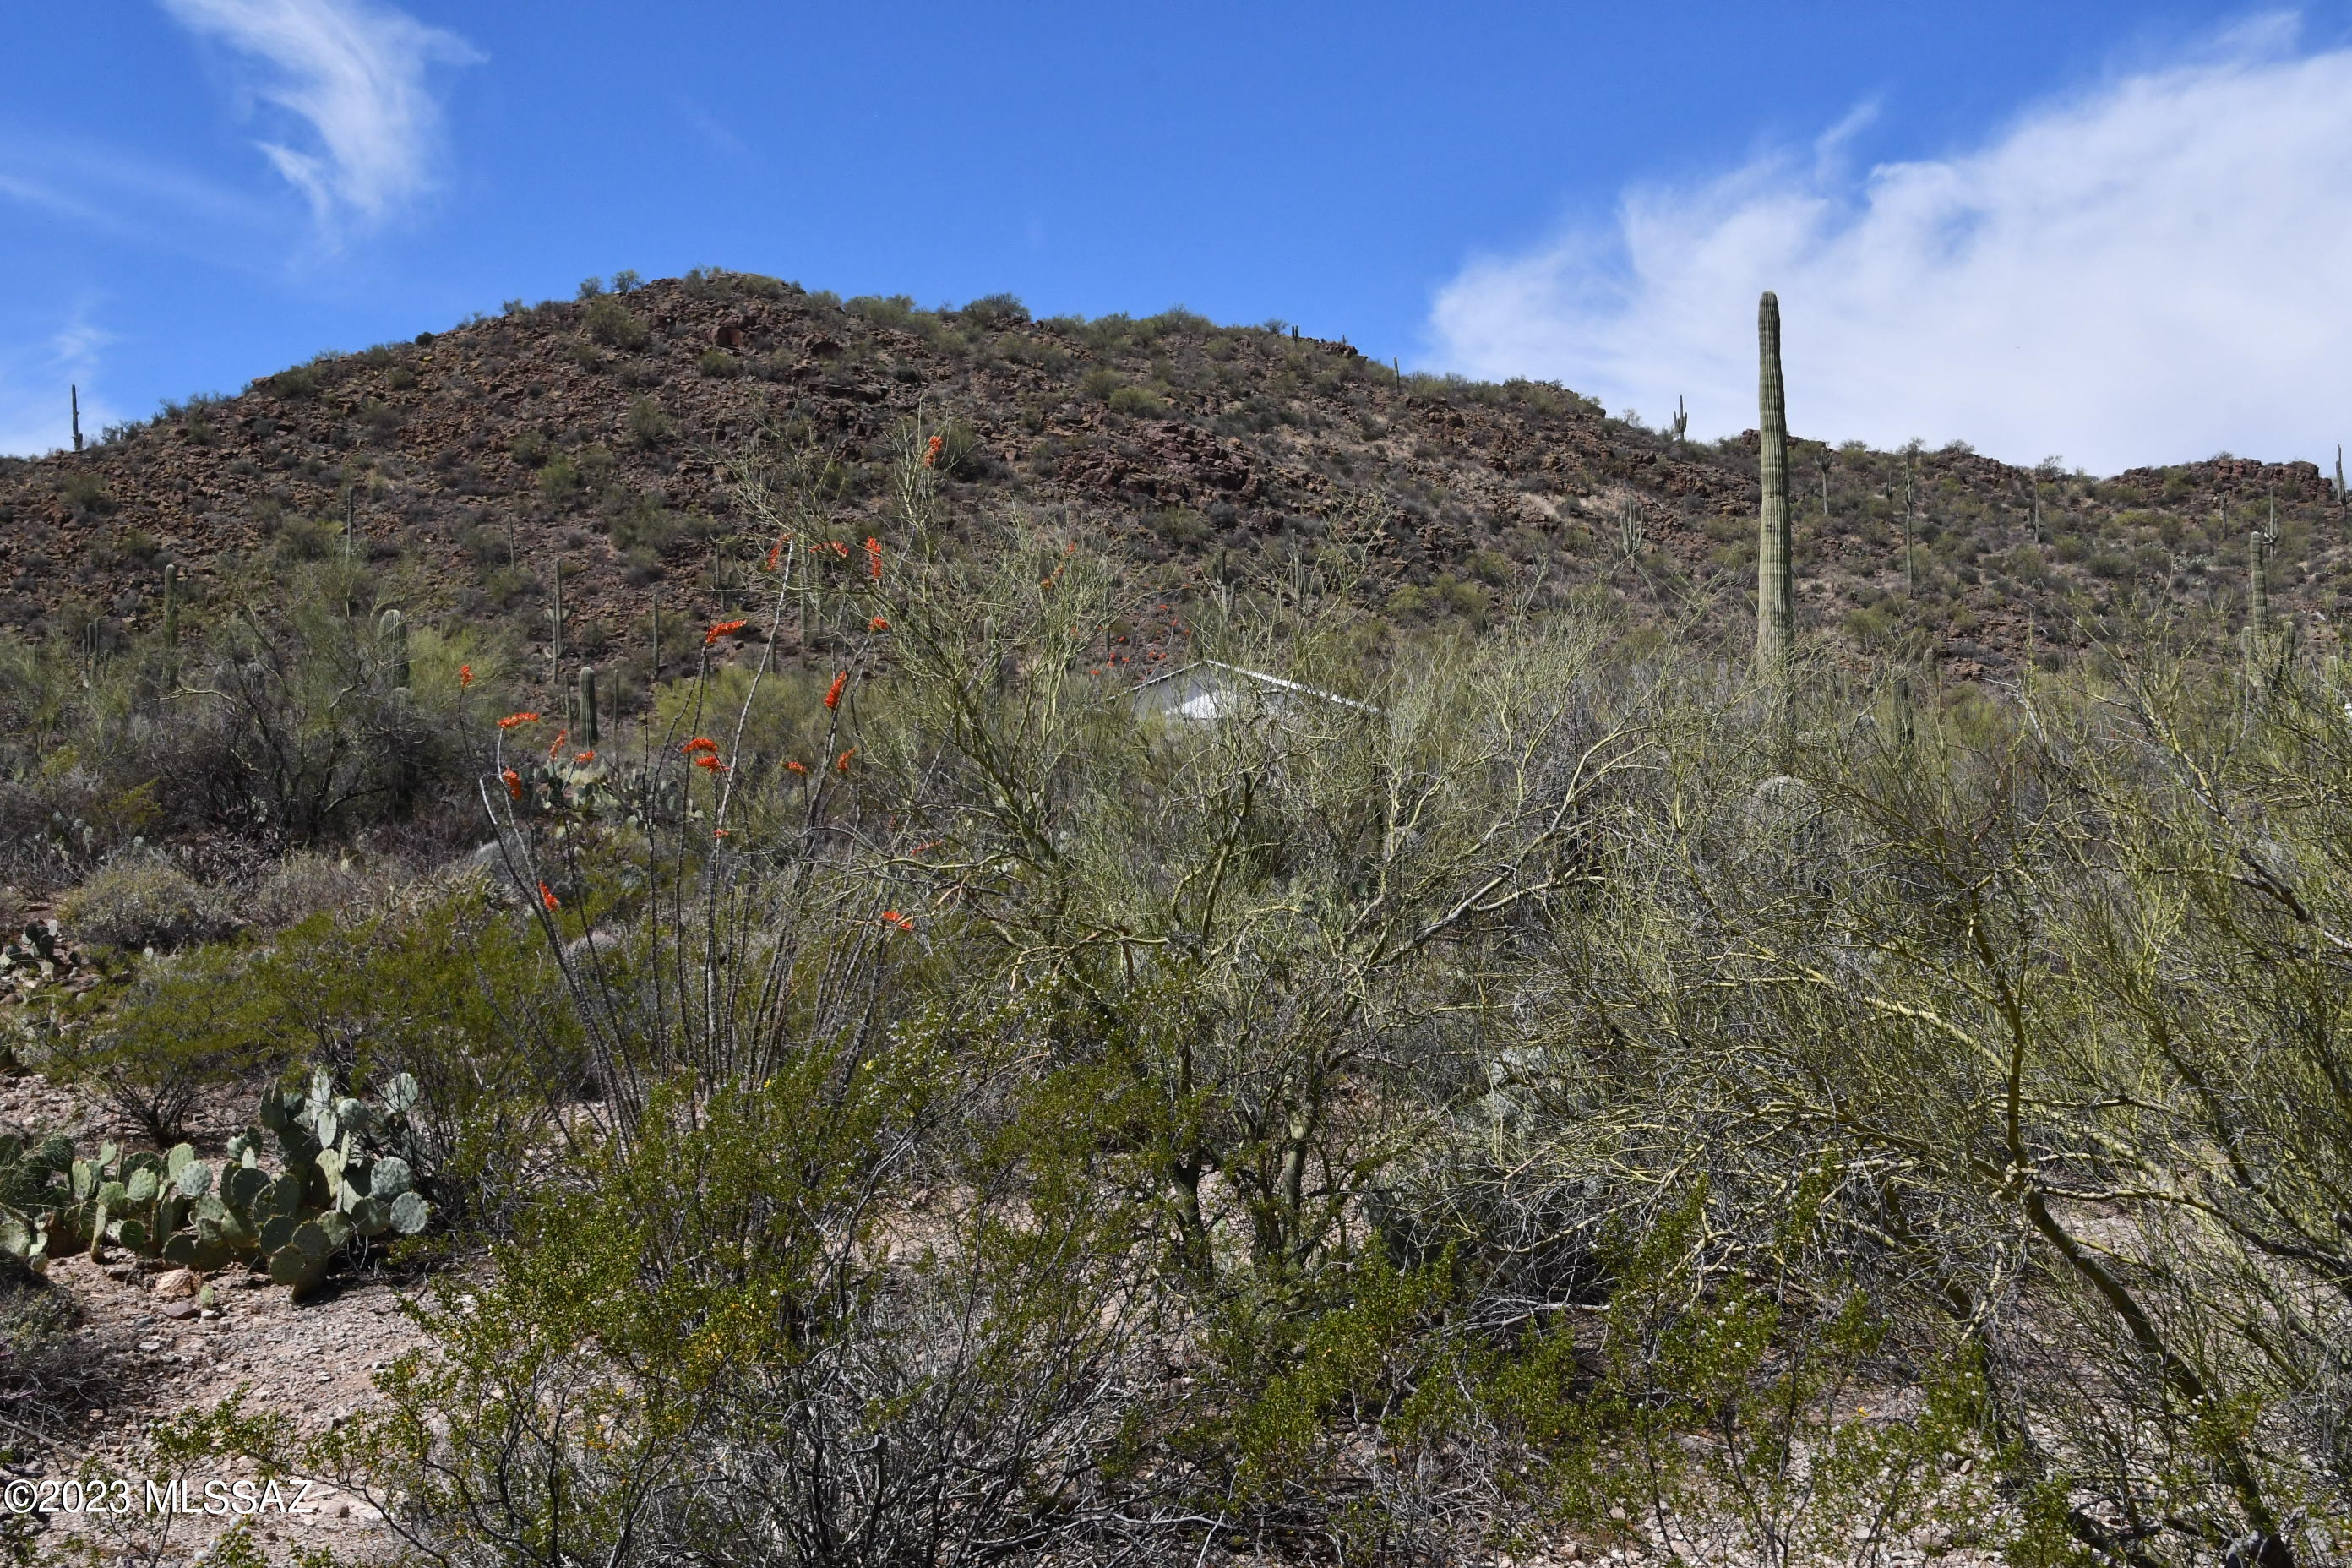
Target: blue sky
(2118, 233)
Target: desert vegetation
(859, 1086)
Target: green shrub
(648, 426)
(560, 483)
(615, 326)
(719, 365)
(997, 311)
(187, 1027)
(890, 310)
(143, 901)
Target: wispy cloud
(35, 414)
(352, 74)
(2148, 271)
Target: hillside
(600, 433)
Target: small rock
(177, 1282)
(182, 1309)
(150, 1344)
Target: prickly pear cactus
(342, 1180)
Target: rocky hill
(599, 436)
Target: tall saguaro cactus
(2260, 653)
(391, 632)
(1776, 591)
(73, 395)
(171, 623)
(555, 634)
(588, 728)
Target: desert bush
(883, 311)
(1136, 400)
(648, 425)
(1486, 1082)
(295, 730)
(48, 1375)
(304, 884)
(142, 899)
(614, 325)
(186, 1028)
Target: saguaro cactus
(73, 395)
(392, 631)
(555, 634)
(2259, 650)
(1680, 425)
(588, 704)
(1776, 591)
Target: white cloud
(36, 410)
(354, 72)
(2147, 272)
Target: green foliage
(648, 425)
(883, 311)
(142, 899)
(614, 325)
(180, 1031)
(340, 1181)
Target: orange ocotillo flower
(796, 767)
(873, 557)
(464, 676)
(892, 918)
(513, 780)
(833, 692)
(878, 624)
(723, 628)
(709, 761)
(511, 720)
(931, 452)
(557, 744)
(547, 896)
(699, 743)
(584, 757)
(841, 763)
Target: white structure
(1206, 691)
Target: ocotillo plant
(1775, 592)
(392, 633)
(588, 704)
